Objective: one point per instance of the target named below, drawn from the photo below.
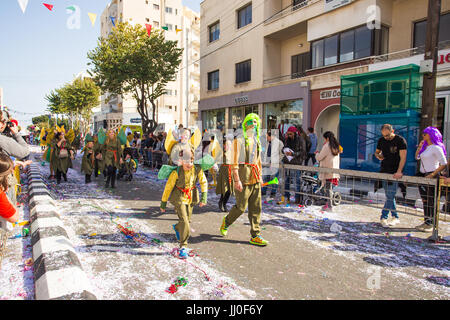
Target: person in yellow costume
(246, 172)
(183, 194)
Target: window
(297, 4)
(363, 42)
(299, 64)
(156, 6)
(243, 71)
(156, 24)
(213, 80)
(420, 30)
(317, 54)
(244, 16)
(331, 49)
(169, 10)
(352, 44)
(214, 32)
(147, 19)
(346, 46)
(169, 27)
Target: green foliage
(129, 61)
(40, 119)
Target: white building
(173, 106)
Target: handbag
(63, 154)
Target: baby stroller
(313, 190)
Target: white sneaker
(394, 222)
(269, 199)
(384, 223)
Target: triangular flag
(93, 17)
(48, 6)
(149, 28)
(178, 30)
(113, 20)
(23, 4)
(71, 8)
(165, 28)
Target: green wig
(251, 116)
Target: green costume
(62, 164)
(247, 160)
(99, 164)
(112, 152)
(87, 164)
(225, 177)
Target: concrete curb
(58, 273)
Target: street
(304, 259)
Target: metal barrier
(360, 187)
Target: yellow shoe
(258, 241)
(223, 228)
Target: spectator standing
(7, 210)
(271, 158)
(294, 154)
(432, 156)
(328, 157)
(313, 148)
(391, 150)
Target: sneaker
(183, 253)
(177, 234)
(223, 228)
(268, 199)
(394, 222)
(258, 241)
(428, 228)
(327, 208)
(384, 223)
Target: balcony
(273, 10)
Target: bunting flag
(93, 18)
(165, 28)
(178, 30)
(71, 8)
(149, 29)
(113, 20)
(23, 4)
(48, 6)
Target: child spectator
(7, 210)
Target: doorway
(328, 120)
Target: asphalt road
(304, 259)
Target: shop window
(214, 119)
(420, 30)
(214, 32)
(285, 112)
(243, 71)
(213, 80)
(244, 16)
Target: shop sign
(330, 94)
(241, 100)
(444, 58)
(136, 120)
(334, 4)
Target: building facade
(285, 59)
(183, 25)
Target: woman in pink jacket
(328, 157)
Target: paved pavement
(304, 260)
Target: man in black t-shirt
(391, 150)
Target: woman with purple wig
(432, 155)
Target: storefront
(285, 104)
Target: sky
(39, 53)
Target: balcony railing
(289, 10)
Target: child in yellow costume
(182, 193)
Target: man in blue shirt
(311, 152)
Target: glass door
(443, 116)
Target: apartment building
(183, 25)
(289, 60)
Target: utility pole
(186, 45)
(431, 53)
